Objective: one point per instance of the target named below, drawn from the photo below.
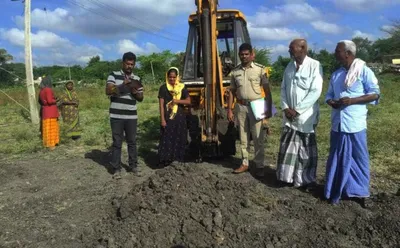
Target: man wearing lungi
(301, 87)
(351, 88)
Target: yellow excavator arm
(211, 53)
(207, 14)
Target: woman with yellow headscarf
(172, 96)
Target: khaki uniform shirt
(248, 82)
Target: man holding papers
(301, 87)
(249, 83)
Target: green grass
(20, 138)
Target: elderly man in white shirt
(301, 87)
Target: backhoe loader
(211, 52)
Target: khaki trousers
(248, 125)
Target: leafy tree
(11, 74)
(4, 56)
(365, 50)
(385, 48)
(56, 72)
(93, 60)
(262, 56)
(382, 50)
(100, 69)
(278, 68)
(178, 61)
(6, 78)
(76, 72)
(394, 29)
(158, 62)
(327, 60)
(311, 53)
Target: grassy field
(19, 138)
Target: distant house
(37, 81)
(376, 67)
(395, 66)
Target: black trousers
(118, 128)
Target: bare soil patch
(75, 202)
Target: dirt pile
(192, 206)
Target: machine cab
(232, 32)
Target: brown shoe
(241, 169)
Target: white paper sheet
(259, 107)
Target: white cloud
(108, 47)
(387, 28)
(42, 39)
(79, 21)
(50, 48)
(326, 27)
(152, 48)
(85, 59)
(275, 21)
(358, 33)
(124, 46)
(266, 33)
(277, 50)
(329, 42)
(128, 45)
(382, 18)
(280, 49)
(285, 14)
(102, 19)
(71, 54)
(363, 5)
(164, 7)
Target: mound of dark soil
(193, 206)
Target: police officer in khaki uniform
(248, 80)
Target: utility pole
(28, 65)
(315, 47)
(69, 71)
(152, 72)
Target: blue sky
(72, 31)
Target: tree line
(151, 68)
(381, 51)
